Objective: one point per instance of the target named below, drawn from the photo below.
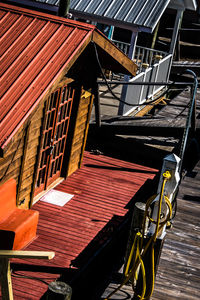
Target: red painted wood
(102, 189)
(17, 226)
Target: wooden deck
(103, 190)
(164, 120)
(179, 66)
(179, 269)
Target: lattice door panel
(58, 112)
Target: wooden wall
(80, 131)
(21, 154)
(20, 157)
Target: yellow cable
(138, 244)
(131, 254)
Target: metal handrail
(147, 56)
(189, 116)
(122, 46)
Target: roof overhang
(183, 4)
(151, 15)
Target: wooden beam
(63, 8)
(97, 106)
(131, 51)
(149, 107)
(177, 26)
(22, 163)
(26, 254)
(115, 53)
(86, 129)
(5, 272)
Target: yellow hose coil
(137, 246)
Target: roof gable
(37, 50)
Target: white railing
(122, 46)
(147, 56)
(138, 94)
(142, 54)
(153, 66)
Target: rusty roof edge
(45, 16)
(128, 64)
(49, 88)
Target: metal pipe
(63, 8)
(188, 121)
(145, 83)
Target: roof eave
(109, 21)
(183, 4)
(128, 66)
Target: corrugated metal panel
(144, 13)
(103, 189)
(35, 48)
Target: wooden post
(5, 277)
(41, 139)
(126, 78)
(131, 51)
(22, 163)
(155, 36)
(5, 273)
(97, 106)
(177, 26)
(63, 8)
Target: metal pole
(145, 83)
(97, 106)
(63, 8)
(188, 121)
(177, 25)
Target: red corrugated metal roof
(35, 48)
(103, 189)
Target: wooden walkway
(179, 66)
(179, 269)
(156, 126)
(166, 120)
(178, 275)
(103, 189)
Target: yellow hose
(138, 245)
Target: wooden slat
(26, 254)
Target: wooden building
(48, 79)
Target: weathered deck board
(179, 269)
(179, 66)
(146, 126)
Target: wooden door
(57, 117)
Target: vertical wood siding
(10, 164)
(80, 132)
